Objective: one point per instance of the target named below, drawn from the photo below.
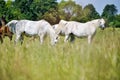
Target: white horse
(87, 29)
(33, 28)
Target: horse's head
(62, 23)
(60, 26)
(102, 23)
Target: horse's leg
(10, 36)
(66, 38)
(89, 39)
(17, 38)
(41, 38)
(33, 38)
(21, 39)
(72, 37)
(1, 39)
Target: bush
(117, 24)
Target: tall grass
(65, 61)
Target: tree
(117, 21)
(33, 9)
(69, 10)
(11, 11)
(40, 7)
(23, 7)
(90, 12)
(2, 8)
(109, 12)
(52, 16)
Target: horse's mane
(94, 20)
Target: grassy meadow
(64, 61)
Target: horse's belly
(80, 34)
(30, 32)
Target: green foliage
(40, 7)
(109, 13)
(52, 11)
(117, 21)
(109, 10)
(11, 11)
(52, 16)
(65, 61)
(69, 10)
(117, 17)
(2, 7)
(27, 9)
(117, 24)
(90, 12)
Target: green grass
(65, 61)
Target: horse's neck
(58, 29)
(95, 23)
(51, 32)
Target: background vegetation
(53, 11)
(64, 61)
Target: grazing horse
(33, 28)
(78, 29)
(4, 30)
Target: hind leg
(10, 37)
(72, 38)
(21, 39)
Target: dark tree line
(53, 11)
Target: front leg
(66, 38)
(89, 39)
(41, 38)
(17, 38)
